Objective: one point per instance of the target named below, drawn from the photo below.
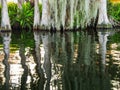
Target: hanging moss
(73, 13)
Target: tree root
(115, 23)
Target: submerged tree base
(5, 30)
(104, 26)
(1, 30)
(36, 27)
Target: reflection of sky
(16, 70)
(15, 73)
(115, 53)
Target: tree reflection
(37, 59)
(84, 73)
(44, 72)
(6, 48)
(58, 59)
(104, 78)
(24, 66)
(47, 63)
(62, 61)
(102, 50)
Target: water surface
(60, 61)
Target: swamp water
(60, 61)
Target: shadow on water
(57, 61)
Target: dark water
(60, 61)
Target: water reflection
(104, 78)
(6, 44)
(43, 68)
(56, 61)
(24, 85)
(37, 58)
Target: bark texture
(72, 14)
(36, 15)
(103, 20)
(45, 19)
(5, 21)
(68, 14)
(20, 2)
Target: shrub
(12, 10)
(114, 11)
(25, 16)
(20, 18)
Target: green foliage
(22, 18)
(12, 10)
(115, 38)
(114, 11)
(25, 16)
(24, 37)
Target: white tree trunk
(5, 21)
(103, 18)
(20, 2)
(36, 15)
(63, 12)
(71, 13)
(45, 20)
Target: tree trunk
(36, 15)
(71, 13)
(5, 21)
(68, 13)
(103, 20)
(20, 2)
(45, 20)
(32, 2)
